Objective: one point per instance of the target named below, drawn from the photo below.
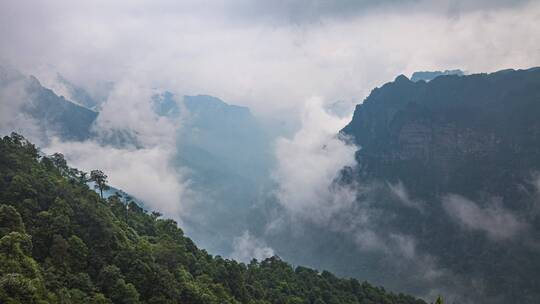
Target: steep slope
(61, 243)
(49, 113)
(82, 96)
(455, 130)
(466, 152)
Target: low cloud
(498, 223)
(360, 214)
(144, 173)
(247, 247)
(396, 245)
(129, 108)
(142, 167)
(13, 98)
(399, 190)
(309, 163)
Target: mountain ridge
(62, 243)
(468, 147)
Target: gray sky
(269, 55)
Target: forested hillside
(61, 243)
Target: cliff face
(451, 127)
(477, 137)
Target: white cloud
(223, 49)
(399, 190)
(308, 164)
(144, 173)
(129, 107)
(497, 222)
(247, 247)
(13, 97)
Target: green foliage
(61, 243)
(10, 220)
(100, 178)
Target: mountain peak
(430, 75)
(401, 78)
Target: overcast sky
(269, 55)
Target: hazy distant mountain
(430, 75)
(227, 134)
(49, 113)
(225, 150)
(229, 157)
(467, 151)
(231, 133)
(82, 97)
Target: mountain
(61, 243)
(430, 75)
(228, 155)
(45, 111)
(464, 152)
(226, 151)
(82, 97)
(451, 128)
(229, 132)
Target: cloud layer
(270, 56)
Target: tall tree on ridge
(100, 179)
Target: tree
(83, 177)
(77, 175)
(10, 220)
(98, 177)
(155, 215)
(20, 275)
(60, 162)
(113, 283)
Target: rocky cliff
(467, 149)
(452, 127)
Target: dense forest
(60, 242)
